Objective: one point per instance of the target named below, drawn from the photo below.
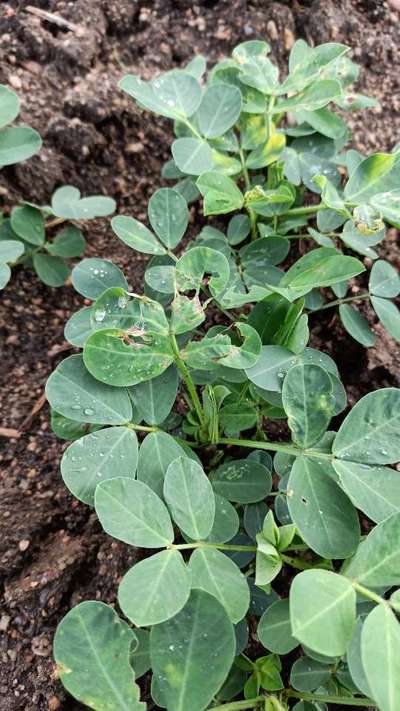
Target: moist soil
(53, 553)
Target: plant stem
(181, 365)
(337, 302)
(55, 222)
(305, 210)
(142, 428)
(297, 563)
(365, 592)
(271, 103)
(219, 546)
(341, 700)
(252, 216)
(238, 705)
(274, 447)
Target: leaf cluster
(168, 419)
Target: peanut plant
(290, 543)
(23, 238)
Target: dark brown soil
(52, 551)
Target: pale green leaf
(215, 573)
(190, 497)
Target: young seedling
(24, 236)
(228, 529)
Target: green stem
(337, 302)
(55, 222)
(238, 705)
(219, 546)
(274, 447)
(269, 116)
(340, 700)
(297, 563)
(365, 592)
(305, 210)
(141, 428)
(180, 364)
(252, 216)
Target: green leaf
(130, 511)
(79, 327)
(53, 271)
(178, 648)
(264, 252)
(325, 517)
(74, 393)
(156, 453)
(9, 106)
(238, 229)
(5, 275)
(70, 242)
(93, 276)
(274, 630)
(175, 94)
(313, 97)
(220, 193)
(325, 122)
(192, 155)
(96, 457)
(354, 661)
(17, 144)
(384, 280)
(114, 309)
(122, 359)
(10, 250)
(356, 325)
(226, 521)
(154, 398)
(275, 361)
(370, 432)
(169, 216)
(215, 573)
(307, 674)
(374, 490)
(140, 654)
(247, 354)
(267, 153)
(321, 267)
(136, 235)
(380, 649)
(243, 480)
(388, 314)
(190, 498)
(28, 223)
(376, 174)
(91, 648)
(194, 264)
(237, 417)
(219, 110)
(66, 202)
(270, 203)
(376, 562)
(388, 205)
(322, 600)
(309, 403)
(155, 589)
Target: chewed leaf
(123, 358)
(91, 648)
(192, 267)
(246, 355)
(220, 193)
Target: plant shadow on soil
(53, 553)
